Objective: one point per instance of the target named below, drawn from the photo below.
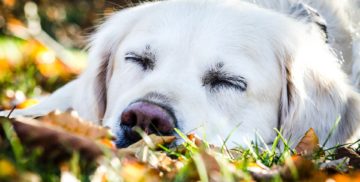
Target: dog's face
(210, 74)
(209, 67)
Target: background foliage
(42, 42)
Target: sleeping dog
(216, 66)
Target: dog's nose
(149, 117)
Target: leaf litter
(81, 151)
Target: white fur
(294, 77)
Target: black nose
(150, 117)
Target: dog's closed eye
(216, 79)
(145, 61)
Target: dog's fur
(279, 63)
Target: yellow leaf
(135, 171)
(7, 169)
(27, 103)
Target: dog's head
(215, 67)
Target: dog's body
(222, 65)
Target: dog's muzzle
(150, 117)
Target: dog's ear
(304, 12)
(102, 48)
(315, 93)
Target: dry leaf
(303, 167)
(309, 144)
(56, 143)
(72, 123)
(152, 141)
(351, 154)
(336, 166)
(135, 171)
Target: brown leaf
(153, 141)
(57, 144)
(309, 144)
(351, 154)
(304, 168)
(71, 122)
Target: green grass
(200, 162)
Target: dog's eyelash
(216, 83)
(145, 62)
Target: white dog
(215, 66)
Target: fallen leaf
(351, 154)
(152, 141)
(336, 166)
(135, 171)
(56, 143)
(309, 144)
(303, 168)
(72, 123)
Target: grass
(199, 161)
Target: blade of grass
(342, 145)
(275, 144)
(229, 135)
(263, 142)
(224, 169)
(251, 149)
(200, 166)
(287, 147)
(145, 137)
(75, 164)
(185, 138)
(289, 162)
(14, 141)
(170, 152)
(338, 119)
(183, 173)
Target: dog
(228, 70)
